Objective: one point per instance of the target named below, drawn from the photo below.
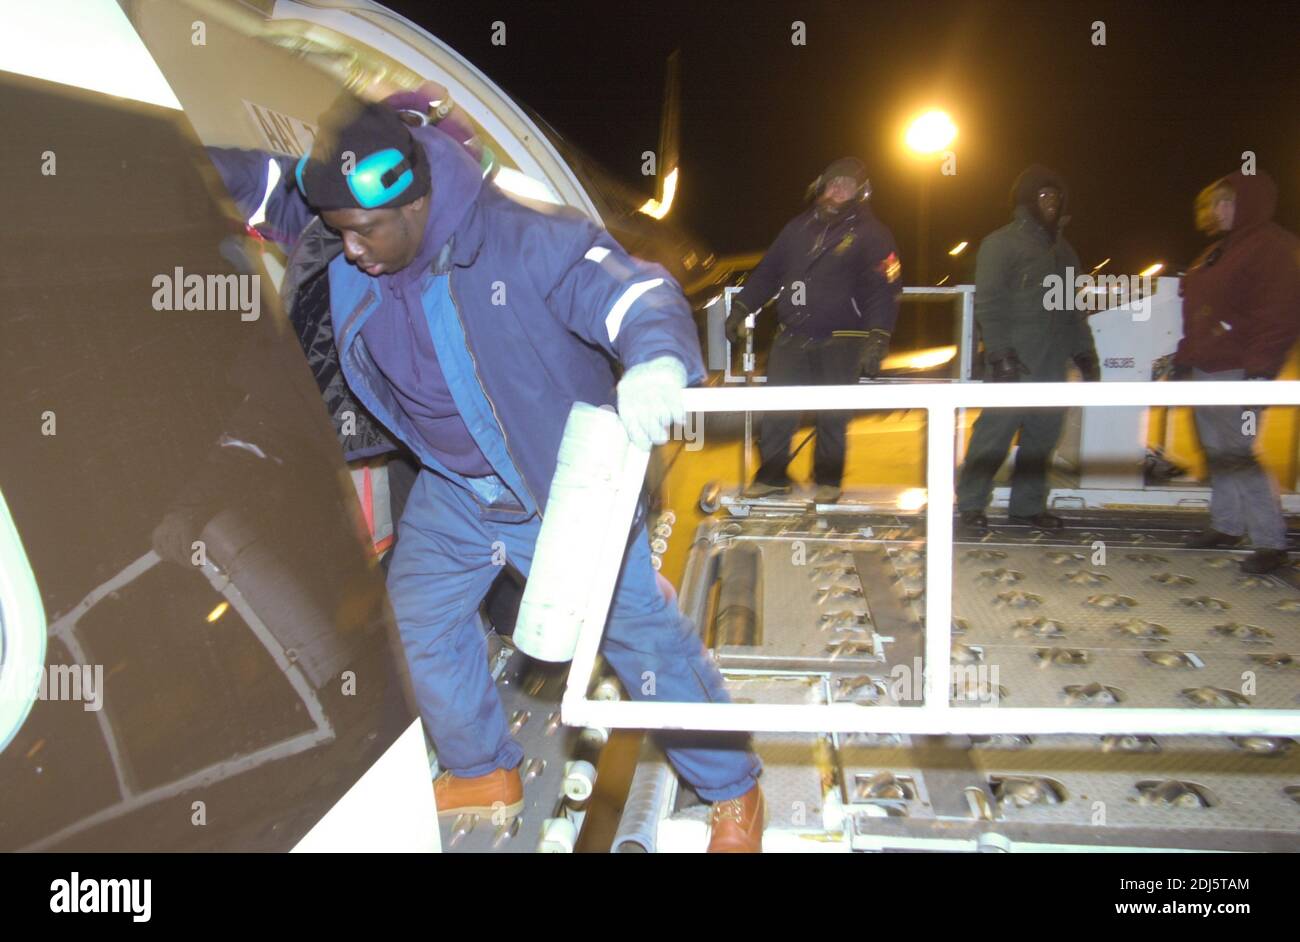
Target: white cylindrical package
(573, 533)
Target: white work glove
(650, 400)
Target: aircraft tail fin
(670, 121)
(669, 138)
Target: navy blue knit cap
(359, 129)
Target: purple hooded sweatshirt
(397, 334)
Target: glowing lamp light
(931, 133)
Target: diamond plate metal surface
(835, 603)
(810, 588)
(1143, 663)
(798, 768)
(861, 761)
(1249, 790)
(1054, 627)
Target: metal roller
(740, 576)
(648, 800)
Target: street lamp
(929, 135)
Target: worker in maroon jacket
(1241, 314)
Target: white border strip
(22, 623)
(390, 808)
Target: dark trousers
(798, 361)
(991, 439)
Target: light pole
(927, 136)
(923, 228)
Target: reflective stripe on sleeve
(272, 180)
(614, 320)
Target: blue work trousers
(448, 554)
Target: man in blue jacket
(837, 271)
(468, 324)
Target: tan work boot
(737, 825)
(498, 792)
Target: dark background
(1137, 127)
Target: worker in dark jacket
(1022, 273)
(468, 324)
(1241, 316)
(837, 272)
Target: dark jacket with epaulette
(834, 275)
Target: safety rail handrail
(936, 715)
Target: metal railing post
(941, 427)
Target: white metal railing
(962, 295)
(937, 715)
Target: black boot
(1209, 539)
(1264, 560)
(1043, 521)
(973, 523)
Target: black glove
(1007, 368)
(874, 348)
(1088, 366)
(736, 329)
(1165, 368)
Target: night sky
(1137, 127)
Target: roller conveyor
(1108, 612)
